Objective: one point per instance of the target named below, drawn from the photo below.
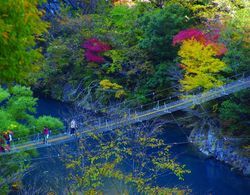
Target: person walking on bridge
(46, 134)
(8, 137)
(73, 127)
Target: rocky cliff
(228, 150)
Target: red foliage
(93, 57)
(206, 39)
(94, 45)
(93, 49)
(191, 33)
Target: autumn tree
(133, 157)
(199, 59)
(20, 27)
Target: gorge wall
(228, 150)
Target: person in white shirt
(73, 127)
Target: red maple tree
(94, 48)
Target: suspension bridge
(128, 118)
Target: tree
(159, 26)
(17, 110)
(94, 48)
(20, 27)
(101, 158)
(234, 114)
(198, 59)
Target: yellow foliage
(93, 192)
(106, 84)
(120, 93)
(200, 66)
(17, 185)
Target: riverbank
(225, 149)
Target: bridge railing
(153, 109)
(183, 103)
(148, 106)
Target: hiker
(10, 133)
(46, 134)
(73, 127)
(6, 136)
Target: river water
(208, 176)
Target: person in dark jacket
(7, 139)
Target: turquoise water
(208, 176)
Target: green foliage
(159, 26)
(118, 57)
(122, 17)
(17, 109)
(50, 122)
(234, 114)
(236, 33)
(21, 104)
(64, 56)
(17, 112)
(3, 95)
(160, 79)
(20, 27)
(231, 111)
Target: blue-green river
(208, 176)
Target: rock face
(211, 143)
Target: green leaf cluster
(17, 113)
(20, 27)
(17, 110)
